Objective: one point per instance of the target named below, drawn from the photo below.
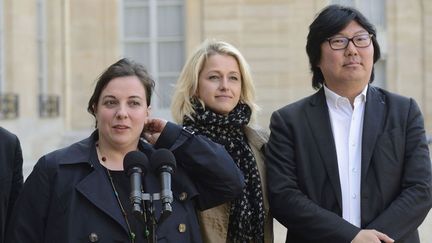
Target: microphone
(163, 162)
(135, 163)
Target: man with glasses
(351, 162)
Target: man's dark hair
(330, 21)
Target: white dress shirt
(347, 126)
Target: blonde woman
(215, 97)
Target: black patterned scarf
(246, 222)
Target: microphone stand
(150, 219)
(141, 215)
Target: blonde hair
(187, 84)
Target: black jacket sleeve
(17, 177)
(28, 219)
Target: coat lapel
(319, 121)
(372, 124)
(96, 188)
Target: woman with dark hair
(80, 193)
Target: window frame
(153, 41)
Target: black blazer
(68, 196)
(303, 178)
(11, 177)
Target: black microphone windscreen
(162, 157)
(135, 159)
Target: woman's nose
(223, 85)
(121, 112)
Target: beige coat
(214, 221)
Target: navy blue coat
(11, 177)
(68, 196)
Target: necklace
(131, 233)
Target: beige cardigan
(214, 221)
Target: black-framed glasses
(338, 43)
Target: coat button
(93, 237)
(183, 196)
(182, 228)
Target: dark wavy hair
(330, 21)
(122, 68)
